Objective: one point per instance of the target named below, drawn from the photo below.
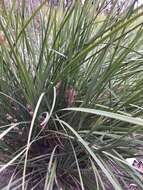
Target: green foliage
(71, 97)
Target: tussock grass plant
(70, 97)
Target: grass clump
(70, 97)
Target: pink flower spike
(70, 96)
(58, 86)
